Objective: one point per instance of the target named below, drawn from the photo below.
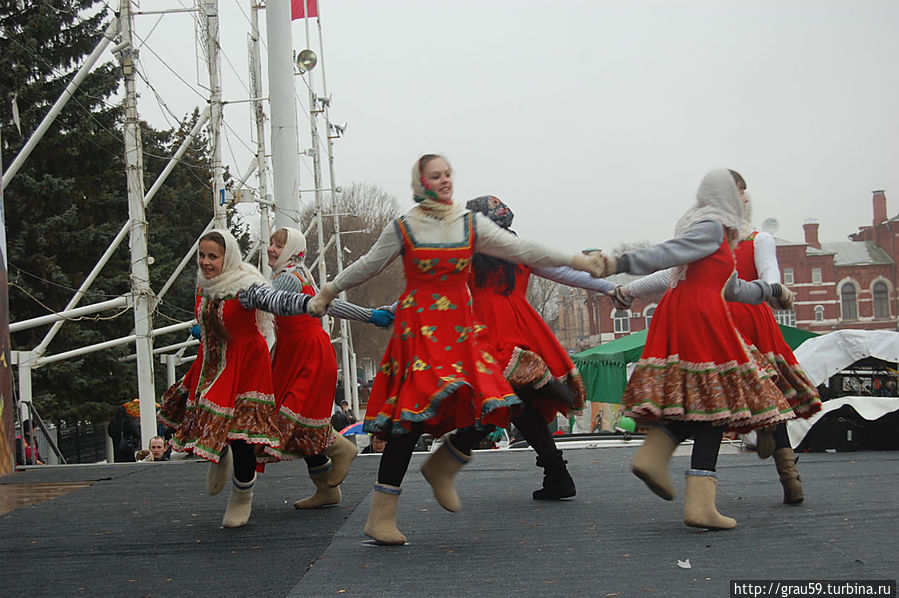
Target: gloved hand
(318, 305)
(595, 263)
(622, 297)
(782, 297)
(195, 331)
(381, 318)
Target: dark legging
(706, 441)
(398, 452)
(781, 439)
(244, 460)
(535, 430)
(313, 461)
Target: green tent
(604, 368)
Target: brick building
(845, 284)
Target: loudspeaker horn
(306, 60)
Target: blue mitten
(195, 331)
(381, 318)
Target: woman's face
(274, 251)
(438, 177)
(211, 258)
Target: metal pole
(284, 139)
(259, 112)
(140, 269)
(211, 10)
(41, 361)
(169, 368)
(69, 314)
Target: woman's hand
(318, 305)
(598, 264)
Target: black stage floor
(150, 530)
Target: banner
(300, 9)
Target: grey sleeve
(575, 278)
(498, 242)
(652, 287)
(280, 303)
(349, 311)
(748, 291)
(388, 246)
(700, 240)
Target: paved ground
(150, 530)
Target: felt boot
(240, 504)
(325, 495)
(440, 469)
(764, 442)
(785, 461)
(699, 501)
(218, 473)
(650, 464)
(341, 453)
(557, 483)
(381, 524)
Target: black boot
(557, 483)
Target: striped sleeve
(280, 303)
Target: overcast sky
(594, 120)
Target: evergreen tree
(69, 200)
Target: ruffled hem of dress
(386, 425)
(796, 387)
(300, 436)
(737, 396)
(194, 447)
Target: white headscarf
(428, 204)
(236, 276)
(293, 256)
(746, 228)
(717, 199)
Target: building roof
(845, 253)
(849, 253)
(779, 241)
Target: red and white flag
(300, 9)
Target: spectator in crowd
(124, 429)
(27, 451)
(375, 446)
(155, 452)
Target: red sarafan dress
(695, 365)
(758, 325)
(304, 372)
(227, 394)
(525, 347)
(434, 371)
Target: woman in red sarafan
(304, 374)
(533, 361)
(224, 408)
(756, 258)
(697, 376)
(435, 376)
